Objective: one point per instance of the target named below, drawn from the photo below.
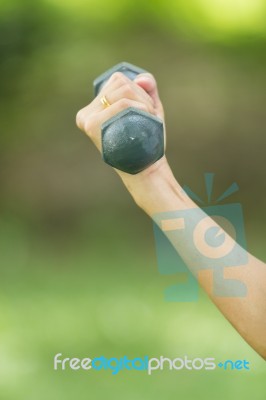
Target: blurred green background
(78, 267)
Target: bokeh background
(77, 258)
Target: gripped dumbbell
(133, 139)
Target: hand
(121, 93)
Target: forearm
(156, 191)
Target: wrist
(155, 189)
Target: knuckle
(119, 76)
(124, 103)
(111, 79)
(145, 107)
(127, 89)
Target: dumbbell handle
(133, 139)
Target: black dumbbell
(133, 139)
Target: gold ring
(105, 102)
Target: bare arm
(156, 191)
(159, 193)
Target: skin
(155, 190)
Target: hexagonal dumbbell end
(132, 140)
(130, 70)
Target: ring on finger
(105, 102)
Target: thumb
(147, 82)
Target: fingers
(148, 83)
(118, 88)
(91, 123)
(130, 92)
(121, 105)
(116, 81)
